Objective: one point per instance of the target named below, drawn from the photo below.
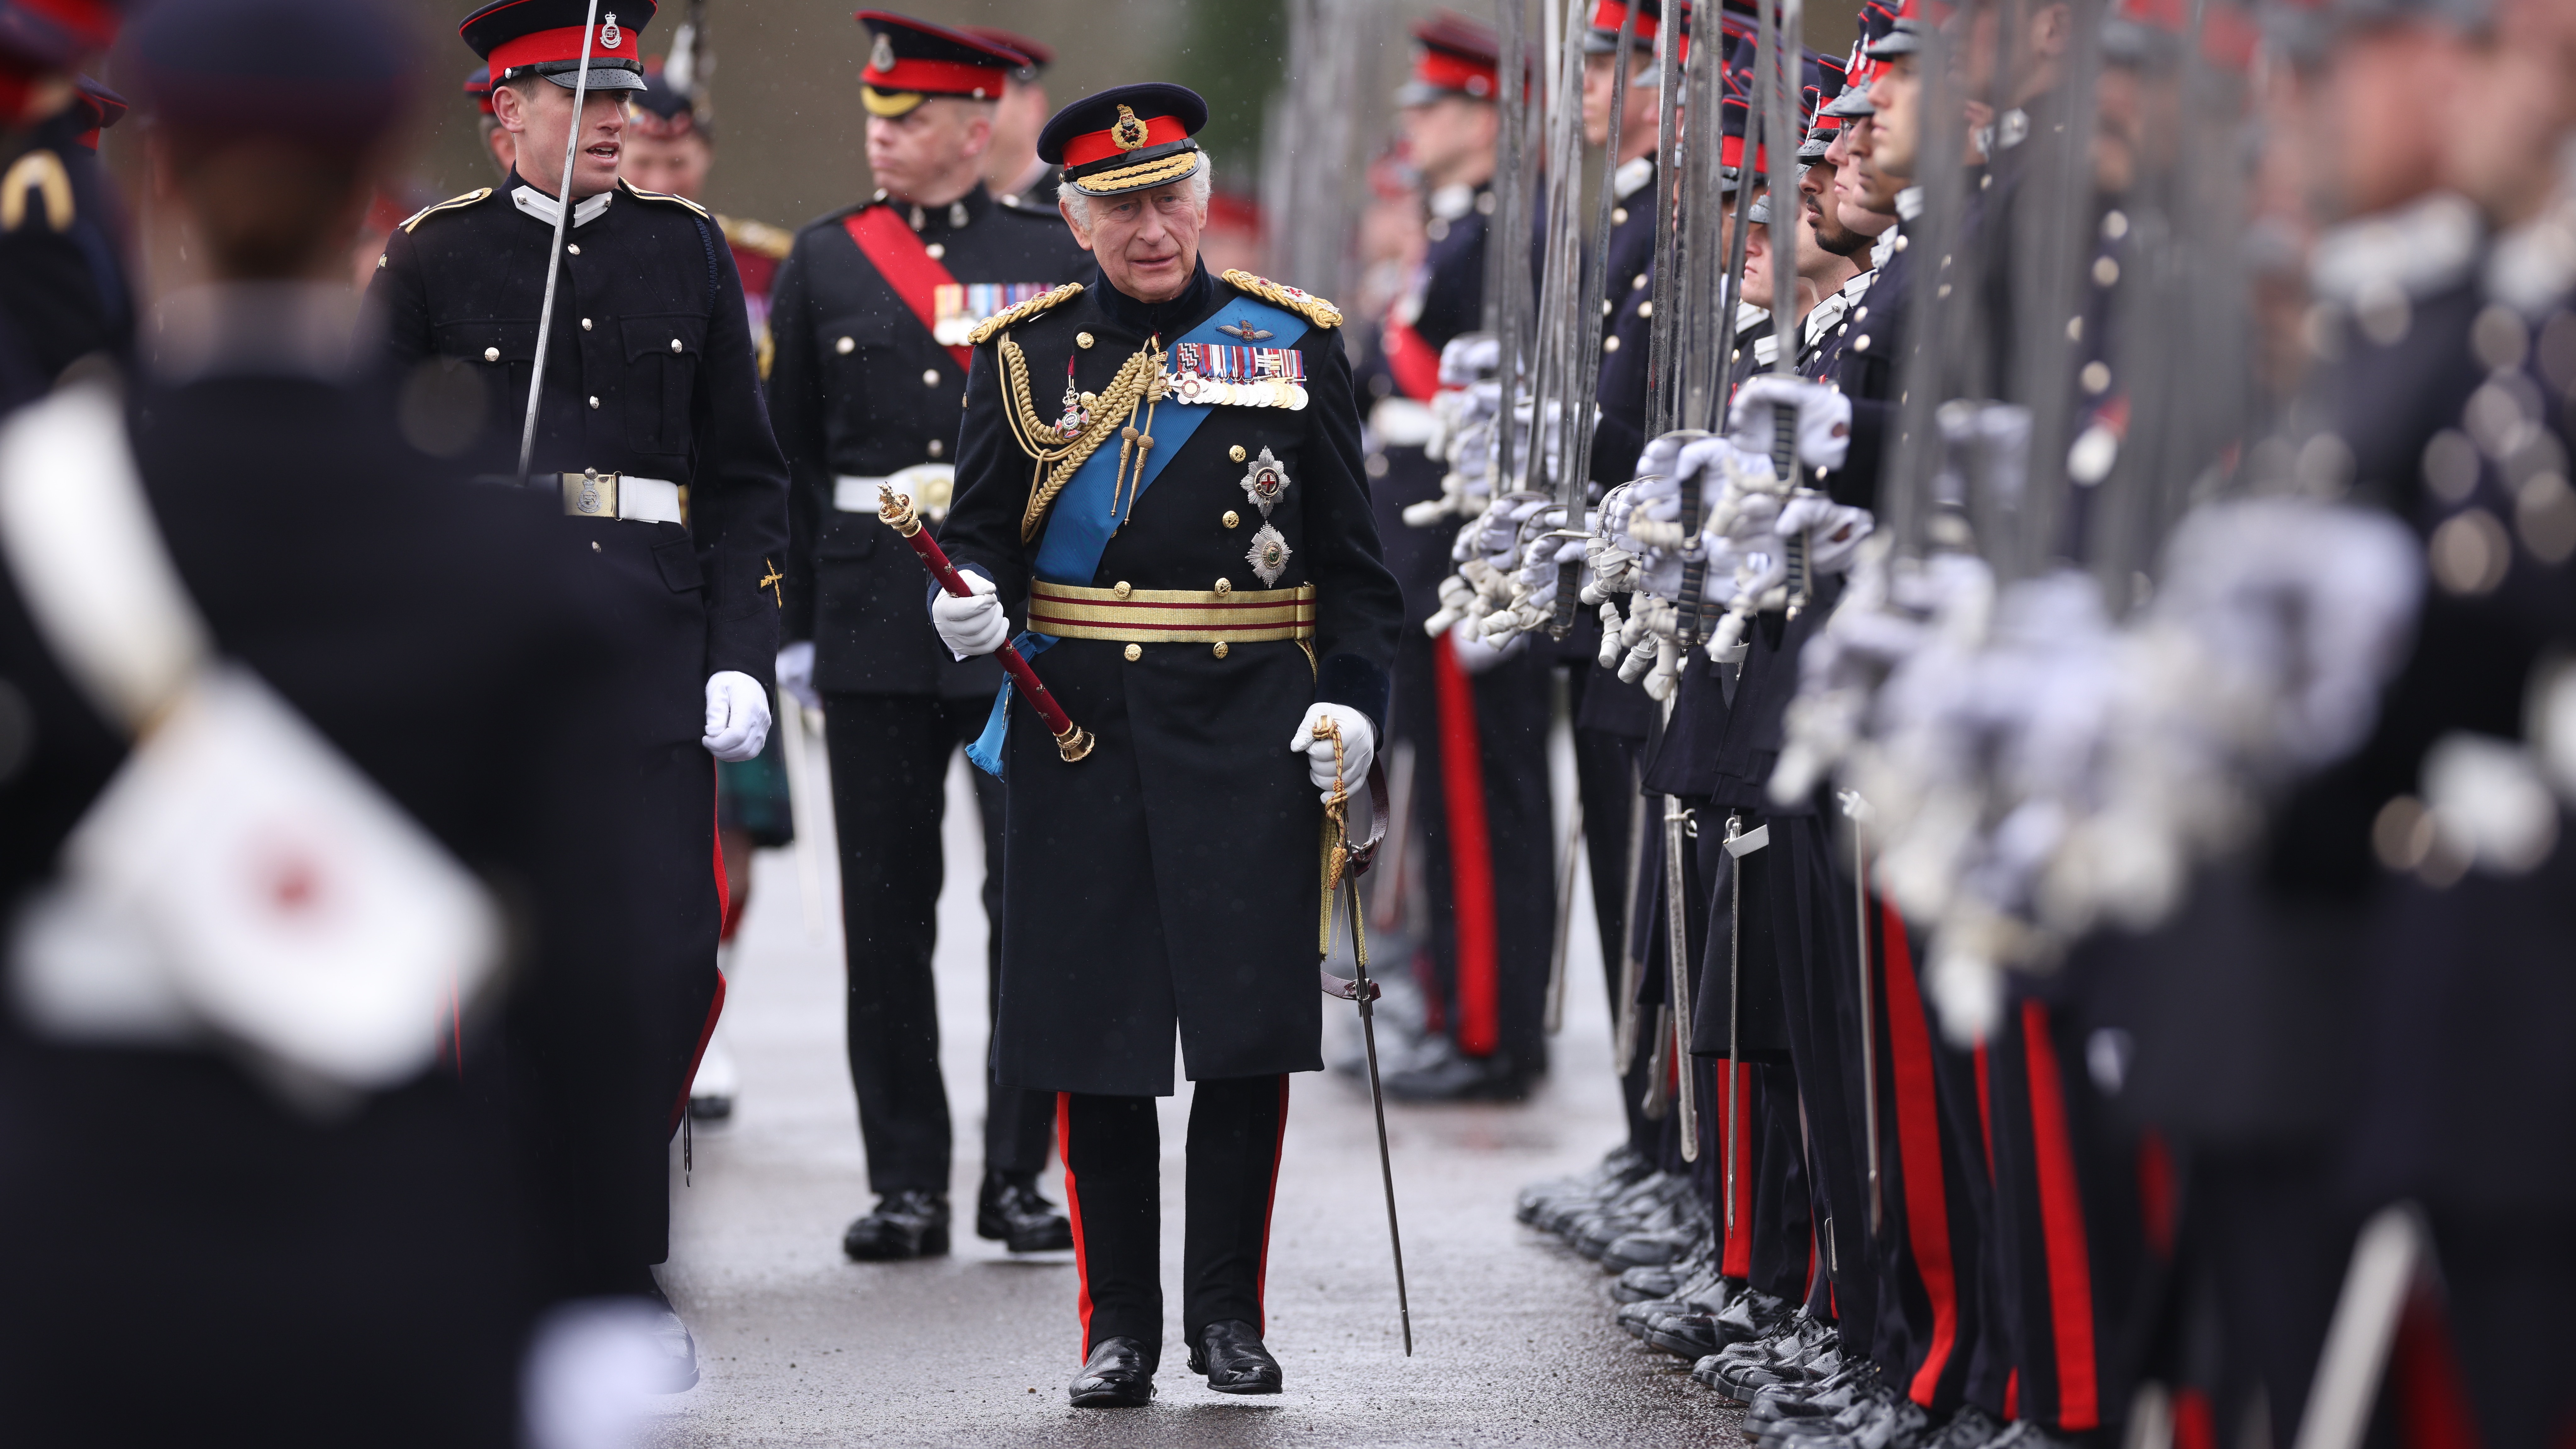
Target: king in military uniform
(1160, 472)
(649, 428)
(873, 310)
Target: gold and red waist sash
(1172, 616)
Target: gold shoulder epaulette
(468, 199)
(1305, 304)
(1013, 317)
(758, 236)
(41, 174)
(640, 194)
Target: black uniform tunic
(860, 388)
(651, 372)
(1173, 875)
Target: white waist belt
(926, 486)
(623, 495)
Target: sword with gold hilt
(1341, 869)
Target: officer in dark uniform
(63, 293)
(872, 313)
(1477, 720)
(1012, 170)
(651, 433)
(1186, 531)
(211, 1205)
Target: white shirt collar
(2417, 249)
(1632, 175)
(1909, 203)
(543, 207)
(1453, 201)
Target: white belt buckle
(593, 494)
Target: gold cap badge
(1129, 132)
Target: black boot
(908, 1224)
(1231, 1356)
(1009, 1211)
(1118, 1375)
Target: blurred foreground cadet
(1206, 638)
(323, 1032)
(874, 308)
(650, 437)
(62, 291)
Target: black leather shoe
(1231, 1356)
(1622, 1166)
(1118, 1375)
(904, 1225)
(1011, 1213)
(1460, 1079)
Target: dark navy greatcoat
(1173, 876)
(860, 387)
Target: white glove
(737, 716)
(1824, 418)
(974, 624)
(796, 674)
(1474, 654)
(1359, 746)
(1834, 531)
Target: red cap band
(1093, 146)
(91, 21)
(1732, 154)
(938, 78)
(545, 47)
(1456, 73)
(1611, 14)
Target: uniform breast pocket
(858, 353)
(662, 357)
(502, 350)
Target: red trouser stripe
(1261, 1271)
(1471, 855)
(2432, 1397)
(1073, 1212)
(1739, 1241)
(2061, 1224)
(1918, 1145)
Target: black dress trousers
(1113, 1188)
(890, 757)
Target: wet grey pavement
(1513, 1341)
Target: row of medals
(1187, 386)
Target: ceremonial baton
(1341, 861)
(896, 510)
(554, 254)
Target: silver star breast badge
(1268, 555)
(1264, 481)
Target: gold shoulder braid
(1305, 304)
(426, 212)
(1139, 381)
(1012, 317)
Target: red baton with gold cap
(1070, 742)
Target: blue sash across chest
(1080, 522)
